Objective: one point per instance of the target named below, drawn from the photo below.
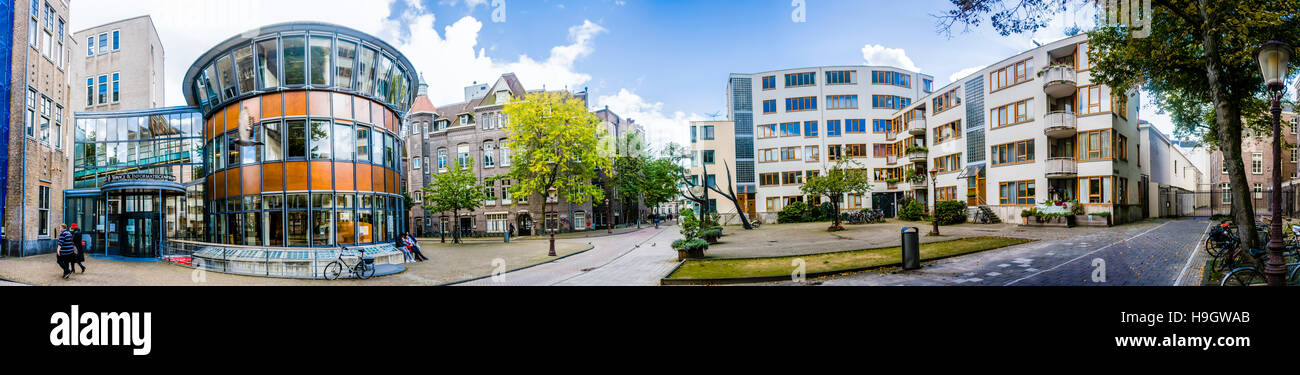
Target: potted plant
(891, 180)
(1102, 214)
(690, 249)
(1025, 214)
(711, 235)
(691, 245)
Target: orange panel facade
(377, 178)
(273, 177)
(363, 177)
(362, 109)
(271, 105)
(295, 103)
(219, 188)
(344, 176)
(295, 178)
(232, 118)
(252, 179)
(322, 175)
(233, 186)
(320, 104)
(342, 106)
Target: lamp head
(1274, 57)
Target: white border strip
(1188, 266)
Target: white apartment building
(803, 120)
(1030, 129)
(1168, 177)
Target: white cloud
(963, 73)
(471, 4)
(876, 54)
(660, 127)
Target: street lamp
(1274, 57)
(934, 206)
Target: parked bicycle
(982, 217)
(363, 268)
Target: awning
(165, 186)
(81, 193)
(971, 171)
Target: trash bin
(911, 248)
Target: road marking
(1192, 255)
(1085, 255)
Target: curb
(760, 279)
(453, 283)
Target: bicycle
(982, 218)
(363, 269)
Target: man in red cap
(80, 245)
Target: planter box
(691, 254)
(1094, 221)
(1057, 222)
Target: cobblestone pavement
(1150, 253)
(643, 266)
(614, 251)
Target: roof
(423, 105)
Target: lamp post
(1274, 57)
(934, 206)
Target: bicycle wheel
(1244, 276)
(333, 270)
(365, 272)
(1212, 247)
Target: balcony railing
(916, 126)
(1059, 81)
(891, 136)
(1059, 124)
(891, 159)
(917, 156)
(1061, 167)
(279, 262)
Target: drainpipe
(22, 197)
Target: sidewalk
(606, 250)
(643, 266)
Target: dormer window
(464, 119)
(503, 97)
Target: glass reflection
(268, 63)
(347, 55)
(244, 67)
(295, 50)
(320, 60)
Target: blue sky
(661, 62)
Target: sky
(662, 63)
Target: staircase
(987, 212)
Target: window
(767, 131)
(1256, 162)
(769, 82)
(773, 204)
(268, 63)
(1097, 189)
(45, 119)
(889, 102)
(807, 103)
(842, 102)
(791, 178)
(708, 132)
(860, 150)
(693, 133)
(788, 153)
(707, 156)
(442, 159)
(945, 101)
(116, 97)
(1259, 191)
(947, 132)
(946, 193)
(1012, 114)
(1012, 153)
(320, 135)
(1095, 144)
(855, 126)
(115, 39)
(505, 155)
(295, 68)
(1011, 75)
(103, 43)
(273, 141)
(44, 211)
(834, 152)
(321, 52)
(90, 46)
(366, 70)
(1293, 155)
(497, 223)
(800, 79)
(769, 106)
(1227, 193)
(245, 72)
(462, 156)
(790, 129)
(768, 179)
(833, 128)
(843, 77)
(489, 155)
(1121, 147)
(766, 155)
(103, 89)
(810, 128)
(344, 144)
(1082, 61)
(347, 56)
(31, 113)
(1121, 190)
(1017, 192)
(1093, 100)
(297, 138)
(927, 85)
(948, 163)
(891, 78)
(812, 153)
(882, 126)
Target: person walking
(80, 246)
(66, 252)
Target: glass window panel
(244, 68)
(226, 77)
(366, 70)
(343, 145)
(268, 63)
(297, 138)
(275, 228)
(347, 56)
(320, 139)
(322, 233)
(320, 59)
(273, 139)
(295, 50)
(382, 71)
(297, 228)
(363, 143)
(346, 227)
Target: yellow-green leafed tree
(555, 144)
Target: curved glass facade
(300, 137)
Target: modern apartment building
(34, 144)
(1029, 129)
(475, 129)
(805, 120)
(120, 68)
(1170, 179)
(713, 156)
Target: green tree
(845, 177)
(455, 190)
(1198, 62)
(555, 143)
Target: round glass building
(300, 144)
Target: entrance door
(138, 235)
(466, 227)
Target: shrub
(951, 212)
(1102, 214)
(711, 235)
(690, 224)
(1032, 211)
(792, 213)
(1076, 208)
(913, 211)
(826, 212)
(691, 244)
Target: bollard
(911, 248)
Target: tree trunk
(1227, 118)
(835, 201)
(455, 225)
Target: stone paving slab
(606, 250)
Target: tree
(554, 139)
(1198, 62)
(455, 190)
(846, 177)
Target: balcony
(1060, 124)
(917, 155)
(1059, 81)
(891, 136)
(916, 126)
(891, 159)
(1062, 167)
